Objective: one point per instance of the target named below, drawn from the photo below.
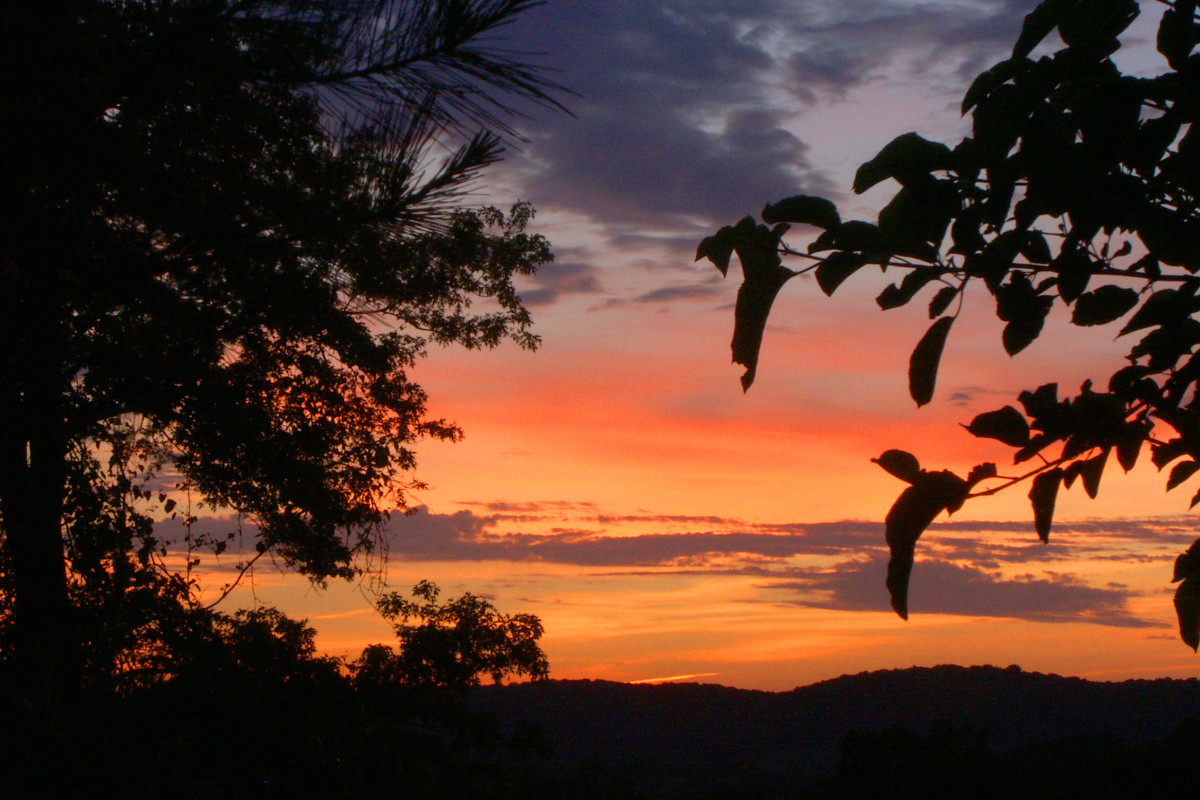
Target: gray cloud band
(958, 574)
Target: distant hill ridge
(669, 736)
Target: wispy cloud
(559, 279)
(693, 291)
(530, 506)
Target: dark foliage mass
(1078, 186)
(231, 230)
(242, 705)
(241, 737)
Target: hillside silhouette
(703, 740)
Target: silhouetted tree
(1078, 185)
(223, 223)
(451, 645)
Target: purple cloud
(679, 121)
(943, 587)
(958, 569)
(557, 279)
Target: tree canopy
(1077, 186)
(452, 645)
(232, 229)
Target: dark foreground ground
(978, 732)
(946, 731)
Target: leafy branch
(1076, 179)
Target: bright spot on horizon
(677, 678)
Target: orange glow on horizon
(671, 678)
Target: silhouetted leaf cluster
(1077, 186)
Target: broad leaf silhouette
(898, 295)
(981, 472)
(906, 158)
(1177, 35)
(900, 464)
(1187, 563)
(1005, 425)
(718, 248)
(1043, 494)
(1181, 472)
(930, 494)
(1187, 607)
(941, 301)
(923, 365)
(986, 82)
(1187, 596)
(1021, 305)
(764, 275)
(1103, 305)
(1038, 24)
(836, 268)
(1090, 473)
(803, 209)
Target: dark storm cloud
(942, 587)
(680, 123)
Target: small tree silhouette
(452, 645)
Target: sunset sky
(618, 483)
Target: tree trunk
(45, 658)
(32, 477)
(41, 249)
